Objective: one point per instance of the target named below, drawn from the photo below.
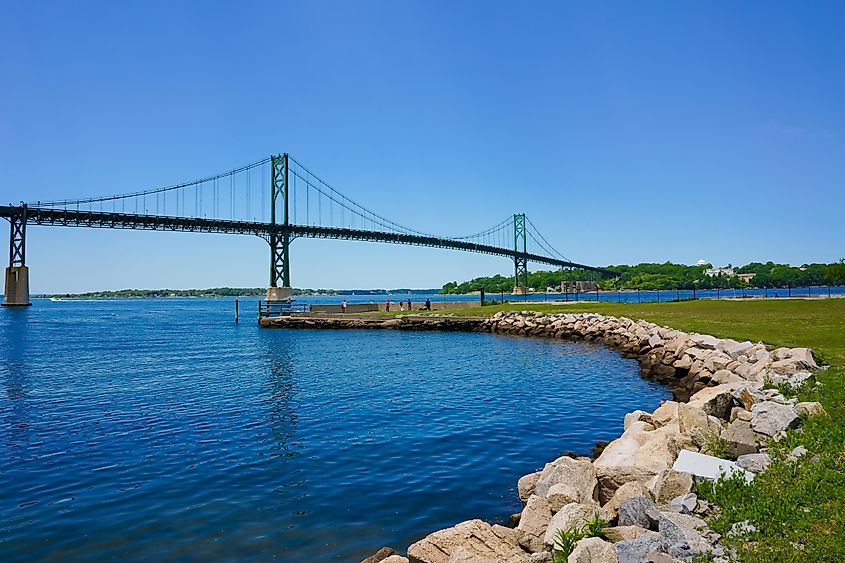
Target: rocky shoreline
(641, 485)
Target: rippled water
(151, 429)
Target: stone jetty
(642, 484)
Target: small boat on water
(56, 299)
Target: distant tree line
(211, 292)
(666, 276)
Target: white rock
(707, 466)
(704, 341)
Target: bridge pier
(17, 274)
(279, 293)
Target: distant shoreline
(224, 292)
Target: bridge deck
(110, 220)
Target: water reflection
(14, 350)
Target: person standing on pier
(409, 304)
(343, 306)
(387, 305)
(427, 304)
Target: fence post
(828, 291)
(236, 310)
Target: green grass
(798, 509)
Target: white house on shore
(716, 272)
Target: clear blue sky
(628, 132)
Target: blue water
(159, 429)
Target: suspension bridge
(276, 198)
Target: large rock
(696, 424)
(665, 413)
(577, 474)
(684, 534)
(770, 417)
(704, 341)
(395, 559)
(685, 504)
(671, 484)
(785, 367)
(638, 455)
(593, 550)
(570, 516)
(632, 489)
(740, 349)
(809, 408)
(636, 416)
(716, 401)
(380, 555)
(707, 466)
(748, 396)
(622, 533)
(526, 484)
(639, 511)
(561, 494)
(740, 438)
(754, 462)
(533, 523)
(635, 551)
(472, 538)
(804, 357)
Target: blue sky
(627, 132)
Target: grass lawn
(797, 508)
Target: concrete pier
(17, 287)
(279, 293)
(520, 290)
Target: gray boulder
(635, 551)
(770, 417)
(639, 511)
(685, 504)
(740, 438)
(684, 534)
(754, 462)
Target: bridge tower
(279, 238)
(520, 262)
(17, 274)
